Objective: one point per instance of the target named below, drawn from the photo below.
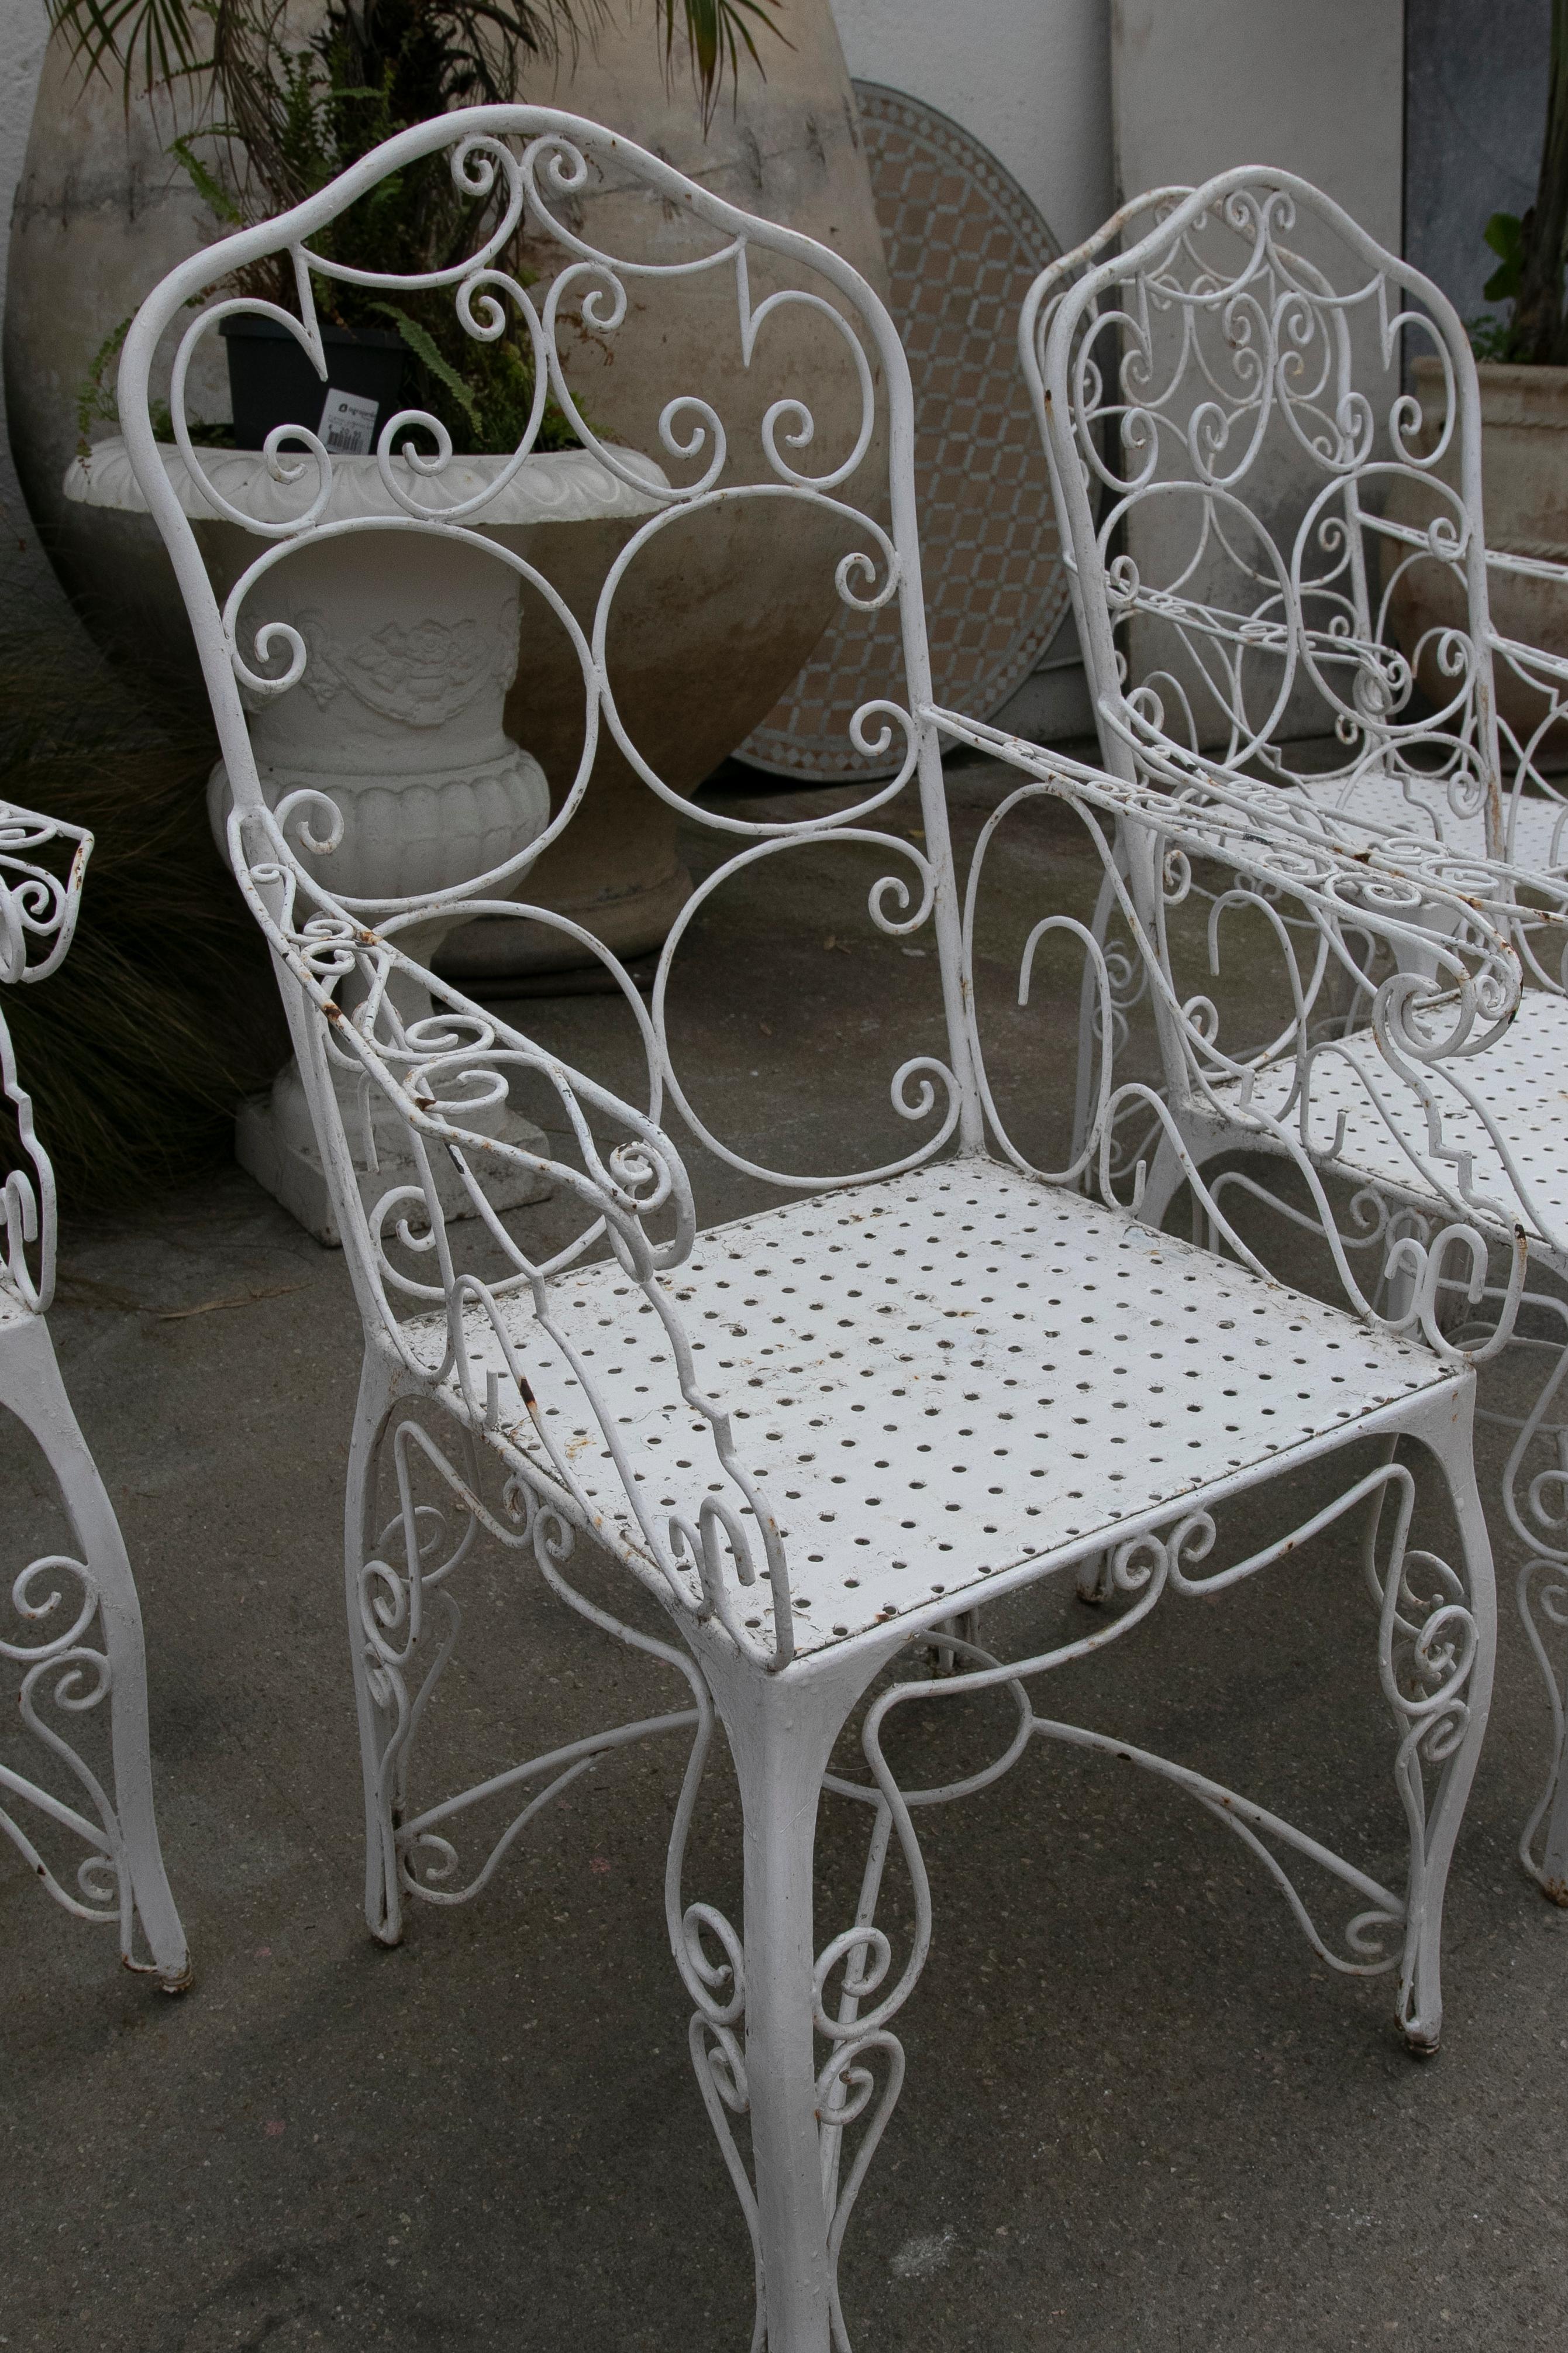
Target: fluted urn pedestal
(397, 722)
(412, 647)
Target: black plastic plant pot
(272, 382)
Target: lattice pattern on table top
(964, 244)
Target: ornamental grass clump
(138, 1050)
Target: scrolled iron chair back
(375, 1034)
(1256, 506)
(39, 909)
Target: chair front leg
(31, 1387)
(1436, 1655)
(756, 2033)
(375, 1698)
(781, 1781)
(1544, 1594)
(1533, 1494)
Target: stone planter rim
(1508, 371)
(552, 486)
(1513, 393)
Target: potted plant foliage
(284, 115)
(1521, 355)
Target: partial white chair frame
(627, 1387)
(1178, 370)
(65, 1677)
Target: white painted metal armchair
(1278, 553)
(80, 1646)
(816, 1438)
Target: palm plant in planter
(289, 114)
(269, 106)
(139, 1065)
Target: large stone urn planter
(102, 211)
(1524, 496)
(400, 718)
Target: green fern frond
(212, 192)
(424, 350)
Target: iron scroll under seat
(817, 1436)
(1264, 437)
(81, 1653)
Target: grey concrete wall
(1475, 117)
(1029, 79)
(1200, 85)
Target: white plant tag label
(348, 421)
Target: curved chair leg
(1532, 1505)
(377, 1711)
(1096, 1582)
(1450, 1737)
(31, 1388)
(781, 1735)
(965, 1626)
(1552, 1874)
(781, 1776)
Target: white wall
(24, 30)
(1314, 86)
(1029, 79)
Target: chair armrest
(1454, 916)
(1318, 913)
(438, 1073)
(38, 907)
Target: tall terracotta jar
(101, 213)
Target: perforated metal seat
(1538, 829)
(1521, 1084)
(985, 1367)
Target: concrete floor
(1140, 2117)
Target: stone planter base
(274, 1143)
(401, 720)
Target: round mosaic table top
(964, 244)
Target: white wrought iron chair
(750, 1420)
(83, 1663)
(1278, 563)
